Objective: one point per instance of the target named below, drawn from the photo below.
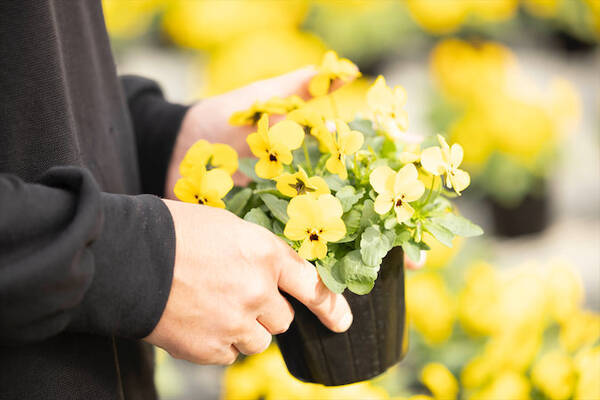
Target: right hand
(225, 295)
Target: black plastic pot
(528, 217)
(376, 340)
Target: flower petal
(443, 142)
(218, 181)
(333, 230)
(296, 229)
(312, 249)
(382, 179)
(224, 156)
(185, 190)
(268, 169)
(460, 180)
(379, 96)
(198, 154)
(351, 142)
(288, 133)
(319, 184)
(404, 212)
(329, 206)
(336, 166)
(413, 190)
(302, 207)
(258, 146)
(319, 85)
(383, 203)
(432, 161)
(456, 155)
(407, 175)
(285, 183)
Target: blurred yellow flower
(440, 381)
(129, 19)
(439, 255)
(396, 190)
(297, 184)
(565, 291)
(438, 16)
(204, 187)
(587, 363)
(580, 329)
(430, 307)
(506, 385)
(211, 155)
(478, 300)
(445, 161)
(410, 154)
(273, 146)
(554, 375)
(313, 123)
(387, 106)
(314, 221)
(330, 69)
(340, 144)
(274, 105)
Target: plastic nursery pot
(528, 217)
(375, 341)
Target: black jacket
(86, 259)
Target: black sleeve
(75, 259)
(156, 124)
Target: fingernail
(345, 322)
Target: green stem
(307, 158)
(430, 190)
(356, 169)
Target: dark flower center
(256, 116)
(272, 157)
(200, 199)
(398, 203)
(313, 237)
(300, 187)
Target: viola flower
(315, 221)
(410, 154)
(331, 68)
(387, 105)
(313, 124)
(275, 105)
(445, 161)
(210, 155)
(204, 187)
(297, 184)
(340, 144)
(273, 146)
(397, 190)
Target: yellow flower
(387, 105)
(445, 161)
(411, 154)
(396, 189)
(273, 146)
(439, 381)
(331, 68)
(275, 105)
(315, 221)
(340, 144)
(211, 155)
(297, 184)
(587, 363)
(581, 329)
(313, 123)
(554, 375)
(204, 187)
(506, 385)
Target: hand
(225, 295)
(209, 119)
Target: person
(97, 263)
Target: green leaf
(246, 167)
(374, 246)
(390, 222)
(334, 182)
(238, 201)
(258, 217)
(348, 197)
(442, 234)
(359, 278)
(369, 216)
(362, 125)
(331, 280)
(277, 206)
(277, 227)
(352, 221)
(412, 250)
(458, 225)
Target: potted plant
(351, 197)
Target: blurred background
(513, 315)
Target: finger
(228, 356)
(410, 264)
(256, 340)
(300, 279)
(278, 315)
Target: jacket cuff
(134, 260)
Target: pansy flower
(396, 190)
(211, 155)
(275, 105)
(445, 161)
(341, 143)
(387, 106)
(331, 68)
(314, 221)
(273, 146)
(204, 187)
(297, 184)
